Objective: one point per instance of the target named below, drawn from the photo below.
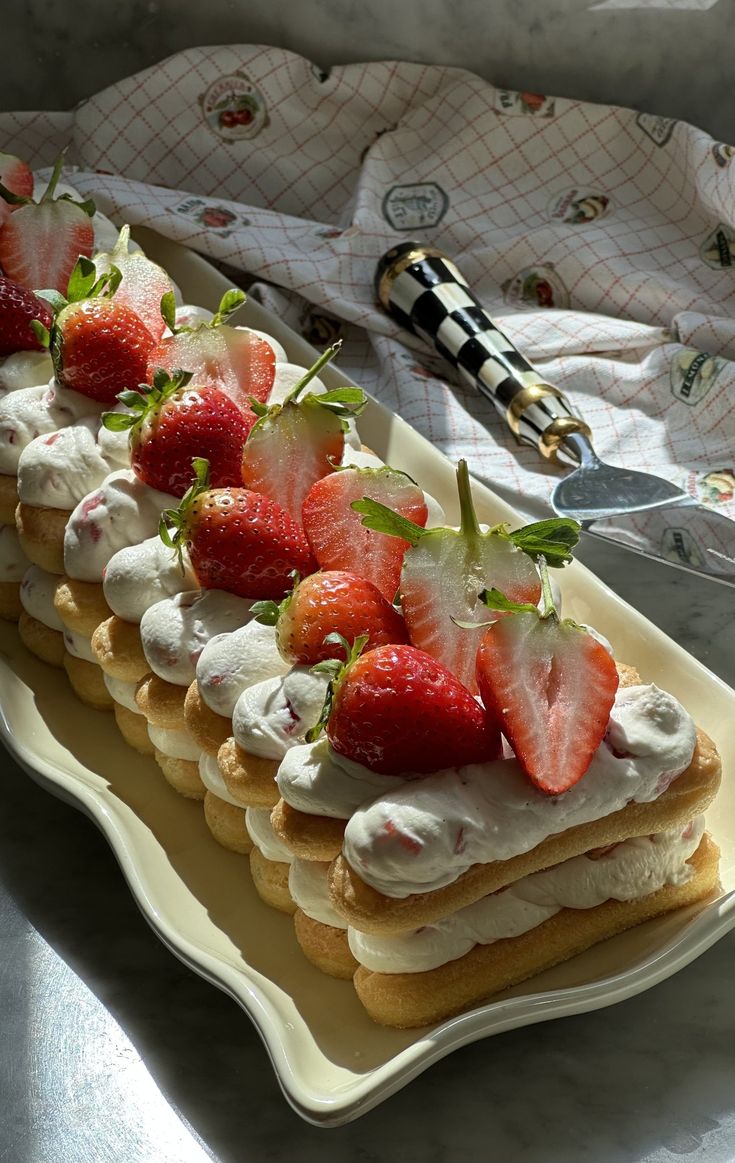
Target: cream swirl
(258, 824)
(430, 831)
(25, 369)
(37, 597)
(79, 646)
(174, 744)
(175, 631)
(122, 692)
(232, 662)
(274, 716)
(56, 470)
(624, 872)
(308, 883)
(138, 576)
(211, 777)
(314, 779)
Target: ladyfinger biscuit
(8, 499)
(325, 946)
(10, 603)
(119, 651)
(270, 878)
(309, 837)
(161, 702)
(134, 729)
(407, 1000)
(46, 644)
(182, 774)
(227, 824)
(688, 796)
(41, 535)
(205, 726)
(249, 779)
(81, 605)
(87, 683)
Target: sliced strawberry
(398, 711)
(16, 176)
(551, 686)
(19, 308)
(172, 422)
(445, 569)
(238, 540)
(336, 533)
(143, 283)
(41, 241)
(240, 363)
(326, 609)
(299, 441)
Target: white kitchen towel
(604, 239)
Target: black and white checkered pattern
(431, 298)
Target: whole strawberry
(172, 422)
(19, 308)
(398, 711)
(327, 608)
(40, 242)
(550, 684)
(238, 540)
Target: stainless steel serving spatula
(425, 292)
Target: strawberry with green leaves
(397, 710)
(445, 569)
(143, 283)
(327, 604)
(337, 535)
(550, 684)
(40, 242)
(238, 540)
(238, 362)
(99, 346)
(171, 422)
(299, 441)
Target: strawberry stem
(54, 179)
(549, 609)
(336, 671)
(468, 525)
(173, 528)
(313, 371)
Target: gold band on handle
(552, 437)
(526, 398)
(399, 265)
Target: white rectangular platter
(332, 1062)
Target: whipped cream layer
(314, 779)
(623, 872)
(175, 631)
(37, 597)
(431, 830)
(56, 470)
(174, 744)
(35, 411)
(258, 824)
(211, 777)
(13, 561)
(122, 692)
(138, 576)
(121, 512)
(79, 646)
(308, 883)
(230, 663)
(25, 369)
(274, 716)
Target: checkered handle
(425, 292)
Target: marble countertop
(119, 1052)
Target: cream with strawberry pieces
(13, 565)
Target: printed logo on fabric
(533, 104)
(712, 488)
(411, 207)
(679, 545)
(234, 108)
(722, 153)
(212, 216)
(537, 287)
(577, 206)
(692, 374)
(718, 248)
(659, 129)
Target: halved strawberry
(337, 535)
(550, 684)
(327, 607)
(16, 176)
(238, 540)
(240, 363)
(172, 422)
(41, 241)
(398, 711)
(143, 282)
(296, 443)
(445, 569)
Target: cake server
(426, 293)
